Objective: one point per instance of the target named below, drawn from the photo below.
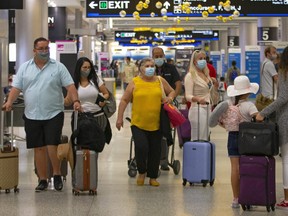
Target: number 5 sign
(267, 33)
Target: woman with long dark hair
(89, 85)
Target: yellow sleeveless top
(146, 104)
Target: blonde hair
(193, 68)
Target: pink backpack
(231, 119)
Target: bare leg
(52, 152)
(40, 155)
(235, 178)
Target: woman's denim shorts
(232, 145)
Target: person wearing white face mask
(198, 86)
(268, 73)
(268, 80)
(146, 92)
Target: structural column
(31, 23)
(267, 32)
(223, 36)
(214, 45)
(284, 29)
(247, 37)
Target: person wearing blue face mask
(198, 87)
(146, 92)
(171, 75)
(41, 80)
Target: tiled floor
(118, 194)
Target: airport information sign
(258, 8)
(126, 36)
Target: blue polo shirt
(42, 88)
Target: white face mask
(273, 56)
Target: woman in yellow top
(146, 93)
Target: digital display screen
(11, 4)
(109, 8)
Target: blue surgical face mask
(85, 73)
(45, 56)
(201, 64)
(159, 61)
(150, 71)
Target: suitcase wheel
(75, 192)
(92, 192)
(64, 179)
(132, 172)
(176, 167)
(204, 184)
(16, 190)
(244, 207)
(184, 182)
(7, 191)
(270, 207)
(212, 182)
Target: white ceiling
(67, 3)
(130, 23)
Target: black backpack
(88, 135)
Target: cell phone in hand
(100, 98)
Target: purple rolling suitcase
(199, 161)
(257, 182)
(184, 130)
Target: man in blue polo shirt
(41, 80)
(171, 75)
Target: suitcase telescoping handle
(207, 123)
(75, 119)
(2, 130)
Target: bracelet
(76, 101)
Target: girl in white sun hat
(239, 93)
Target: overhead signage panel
(112, 8)
(167, 36)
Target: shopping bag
(175, 116)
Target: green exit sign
(103, 5)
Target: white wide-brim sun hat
(242, 86)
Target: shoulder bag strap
(272, 80)
(162, 88)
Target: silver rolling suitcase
(85, 172)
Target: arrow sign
(118, 34)
(166, 5)
(93, 5)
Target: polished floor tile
(118, 194)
